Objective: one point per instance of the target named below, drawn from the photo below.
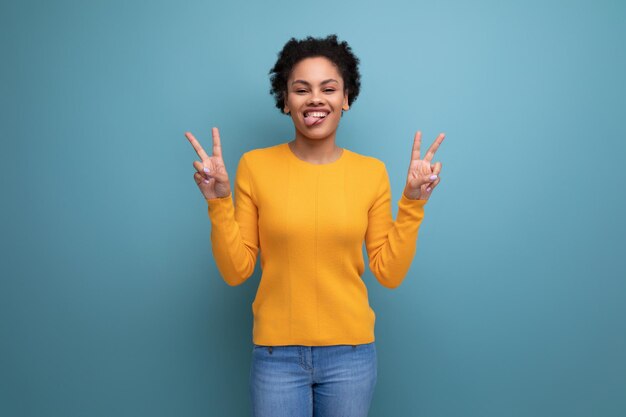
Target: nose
(315, 99)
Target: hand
(211, 176)
(419, 185)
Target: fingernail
(428, 189)
(433, 177)
(207, 170)
(206, 181)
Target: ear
(346, 104)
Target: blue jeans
(312, 381)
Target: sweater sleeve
(391, 245)
(234, 229)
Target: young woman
(309, 205)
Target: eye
(300, 91)
(330, 89)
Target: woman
(308, 205)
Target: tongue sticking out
(311, 120)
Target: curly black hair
(296, 50)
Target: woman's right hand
(211, 176)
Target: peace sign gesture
(423, 175)
(211, 176)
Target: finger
(196, 145)
(436, 168)
(432, 186)
(433, 148)
(417, 140)
(204, 169)
(200, 180)
(423, 180)
(217, 143)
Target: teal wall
(111, 303)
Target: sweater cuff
(218, 199)
(220, 209)
(410, 212)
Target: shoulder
(366, 161)
(263, 156)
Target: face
(315, 88)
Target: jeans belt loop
(270, 349)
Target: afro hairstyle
(339, 53)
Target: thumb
(429, 178)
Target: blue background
(111, 303)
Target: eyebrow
(307, 83)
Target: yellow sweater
(309, 221)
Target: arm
(391, 245)
(234, 229)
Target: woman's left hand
(423, 175)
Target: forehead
(315, 69)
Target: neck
(316, 151)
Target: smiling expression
(314, 88)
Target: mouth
(314, 118)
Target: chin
(316, 134)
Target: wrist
(413, 195)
